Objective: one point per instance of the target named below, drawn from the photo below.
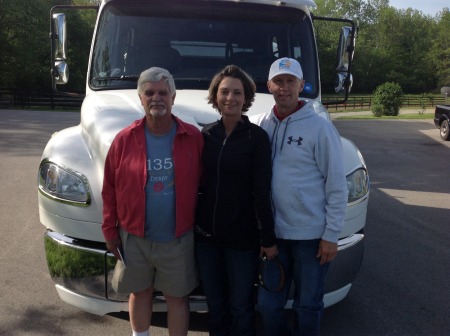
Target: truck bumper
(82, 272)
(343, 270)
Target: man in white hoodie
(309, 193)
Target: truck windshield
(194, 40)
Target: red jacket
(126, 175)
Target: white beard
(157, 113)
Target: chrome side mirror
(345, 52)
(345, 49)
(339, 82)
(59, 36)
(60, 69)
(61, 72)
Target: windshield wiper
(193, 79)
(120, 78)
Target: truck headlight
(357, 184)
(63, 184)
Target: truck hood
(105, 113)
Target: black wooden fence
(364, 103)
(39, 100)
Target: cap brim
(285, 73)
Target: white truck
(193, 39)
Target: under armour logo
(298, 141)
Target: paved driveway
(403, 287)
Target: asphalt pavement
(402, 288)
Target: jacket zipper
(284, 133)
(217, 186)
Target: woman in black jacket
(234, 218)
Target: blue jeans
(301, 266)
(228, 277)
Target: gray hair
(155, 74)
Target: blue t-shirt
(160, 187)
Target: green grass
(406, 116)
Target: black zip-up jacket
(235, 208)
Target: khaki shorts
(169, 266)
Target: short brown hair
(235, 72)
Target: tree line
(402, 46)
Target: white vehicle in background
(193, 40)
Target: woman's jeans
(301, 265)
(228, 277)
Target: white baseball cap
(286, 65)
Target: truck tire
(445, 131)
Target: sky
(428, 7)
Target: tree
(80, 27)
(387, 99)
(368, 55)
(24, 50)
(440, 54)
(392, 45)
(404, 46)
(405, 36)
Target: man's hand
(327, 251)
(269, 252)
(113, 245)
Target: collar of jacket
(242, 125)
(305, 111)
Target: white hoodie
(309, 188)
